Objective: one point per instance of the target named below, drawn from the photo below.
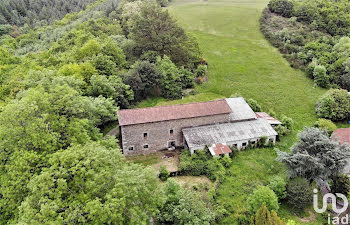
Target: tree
(334, 105)
(171, 86)
(183, 206)
(264, 217)
(315, 156)
(143, 78)
(278, 185)
(299, 193)
(321, 77)
(91, 184)
(341, 184)
(111, 87)
(262, 195)
(153, 29)
(345, 81)
(42, 120)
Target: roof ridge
(165, 106)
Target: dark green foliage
(202, 163)
(163, 173)
(313, 39)
(341, 184)
(90, 184)
(5, 29)
(334, 105)
(282, 7)
(315, 156)
(254, 105)
(202, 70)
(183, 206)
(20, 12)
(153, 29)
(299, 193)
(264, 217)
(143, 78)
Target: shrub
(262, 195)
(215, 171)
(334, 105)
(341, 184)
(264, 216)
(325, 124)
(299, 193)
(254, 105)
(282, 7)
(281, 130)
(278, 185)
(201, 71)
(287, 122)
(225, 161)
(345, 81)
(163, 173)
(321, 77)
(263, 141)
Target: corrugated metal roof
(219, 149)
(267, 117)
(342, 135)
(227, 132)
(172, 112)
(240, 109)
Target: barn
(194, 126)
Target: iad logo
(332, 197)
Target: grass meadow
(242, 61)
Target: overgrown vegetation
(313, 35)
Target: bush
(264, 216)
(287, 122)
(278, 185)
(321, 77)
(254, 105)
(282, 7)
(327, 125)
(345, 81)
(263, 141)
(262, 195)
(341, 184)
(334, 105)
(225, 161)
(281, 130)
(201, 71)
(163, 173)
(299, 193)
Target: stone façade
(158, 133)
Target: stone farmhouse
(193, 126)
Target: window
(171, 144)
(171, 131)
(145, 135)
(253, 142)
(145, 146)
(244, 144)
(131, 148)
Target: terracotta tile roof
(220, 149)
(172, 112)
(267, 117)
(342, 135)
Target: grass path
(242, 61)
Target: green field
(242, 61)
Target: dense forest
(60, 81)
(313, 35)
(38, 12)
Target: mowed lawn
(242, 61)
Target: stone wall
(158, 133)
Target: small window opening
(145, 146)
